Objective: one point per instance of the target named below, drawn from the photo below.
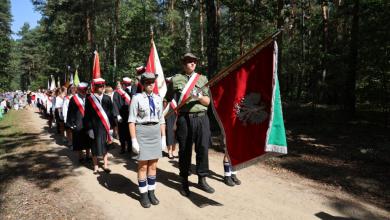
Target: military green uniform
(193, 126)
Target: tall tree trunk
(116, 22)
(212, 37)
(89, 31)
(171, 8)
(325, 18)
(280, 25)
(240, 19)
(187, 15)
(201, 24)
(303, 57)
(350, 97)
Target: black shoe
(144, 200)
(204, 186)
(228, 181)
(152, 197)
(107, 170)
(185, 189)
(236, 180)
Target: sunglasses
(149, 81)
(99, 85)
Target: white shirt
(59, 102)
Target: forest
(331, 53)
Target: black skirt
(80, 140)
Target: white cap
(126, 80)
(98, 81)
(83, 85)
(140, 70)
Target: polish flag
(154, 66)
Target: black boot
(204, 186)
(228, 180)
(144, 200)
(152, 197)
(235, 179)
(185, 189)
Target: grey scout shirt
(140, 110)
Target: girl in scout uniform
(147, 130)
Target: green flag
(76, 79)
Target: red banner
(243, 101)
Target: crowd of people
(16, 100)
(89, 117)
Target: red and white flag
(96, 66)
(248, 106)
(154, 66)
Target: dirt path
(42, 180)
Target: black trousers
(193, 130)
(124, 135)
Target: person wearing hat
(99, 116)
(122, 98)
(192, 124)
(147, 130)
(74, 120)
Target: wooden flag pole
(226, 71)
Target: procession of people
(90, 116)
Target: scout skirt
(149, 140)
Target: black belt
(148, 123)
(193, 114)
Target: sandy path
(264, 193)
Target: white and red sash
(188, 87)
(101, 113)
(172, 105)
(80, 104)
(124, 95)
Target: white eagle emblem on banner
(250, 109)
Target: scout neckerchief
(101, 113)
(124, 95)
(172, 105)
(188, 87)
(80, 104)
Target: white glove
(90, 134)
(163, 143)
(135, 145)
(119, 119)
(195, 96)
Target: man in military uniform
(192, 123)
(121, 101)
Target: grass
(8, 127)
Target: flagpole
(151, 33)
(226, 71)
